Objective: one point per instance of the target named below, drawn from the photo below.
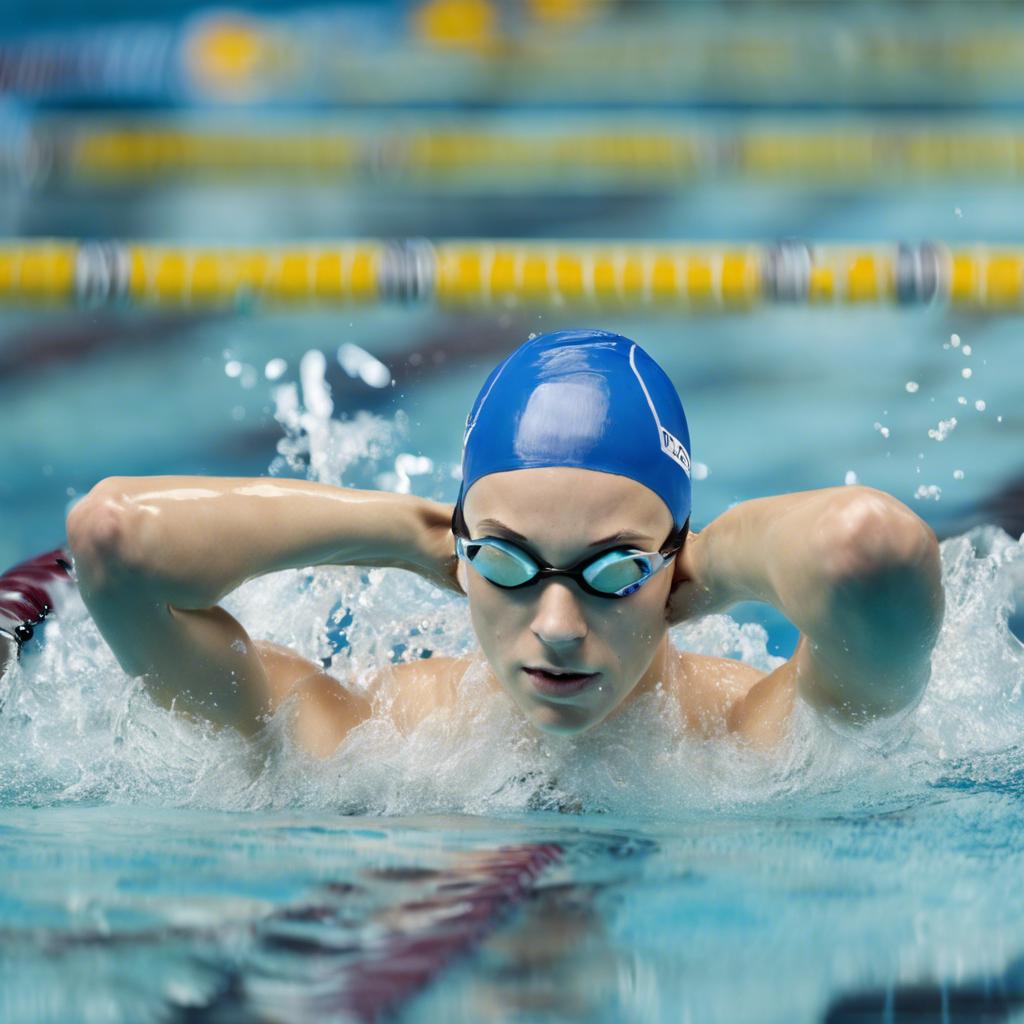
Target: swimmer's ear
(682, 570)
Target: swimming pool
(153, 870)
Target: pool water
(154, 870)
(125, 913)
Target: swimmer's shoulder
(326, 710)
(416, 689)
(724, 695)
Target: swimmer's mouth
(559, 682)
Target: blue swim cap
(587, 399)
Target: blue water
(113, 913)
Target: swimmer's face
(554, 624)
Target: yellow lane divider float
(75, 151)
(635, 275)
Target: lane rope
(80, 151)
(27, 596)
(677, 276)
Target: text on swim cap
(675, 449)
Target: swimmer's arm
(153, 557)
(854, 569)
(202, 663)
(196, 539)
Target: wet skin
(852, 568)
(564, 515)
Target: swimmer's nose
(559, 620)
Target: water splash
(74, 727)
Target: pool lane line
(26, 598)
(659, 155)
(978, 1000)
(678, 276)
(369, 983)
(342, 977)
(467, 904)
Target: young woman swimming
(570, 539)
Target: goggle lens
(617, 572)
(502, 565)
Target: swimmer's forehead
(583, 507)
(496, 528)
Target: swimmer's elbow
(869, 532)
(102, 535)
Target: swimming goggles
(616, 573)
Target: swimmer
(570, 538)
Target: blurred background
(224, 226)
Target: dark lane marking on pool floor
(989, 1000)
(314, 962)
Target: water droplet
(274, 369)
(943, 430)
(912, 387)
(954, 340)
(358, 363)
(961, 400)
(316, 394)
(850, 479)
(958, 213)
(967, 350)
(980, 405)
(884, 431)
(958, 474)
(408, 465)
(966, 373)
(929, 492)
(233, 368)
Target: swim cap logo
(674, 449)
(670, 444)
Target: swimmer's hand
(418, 540)
(695, 589)
(434, 557)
